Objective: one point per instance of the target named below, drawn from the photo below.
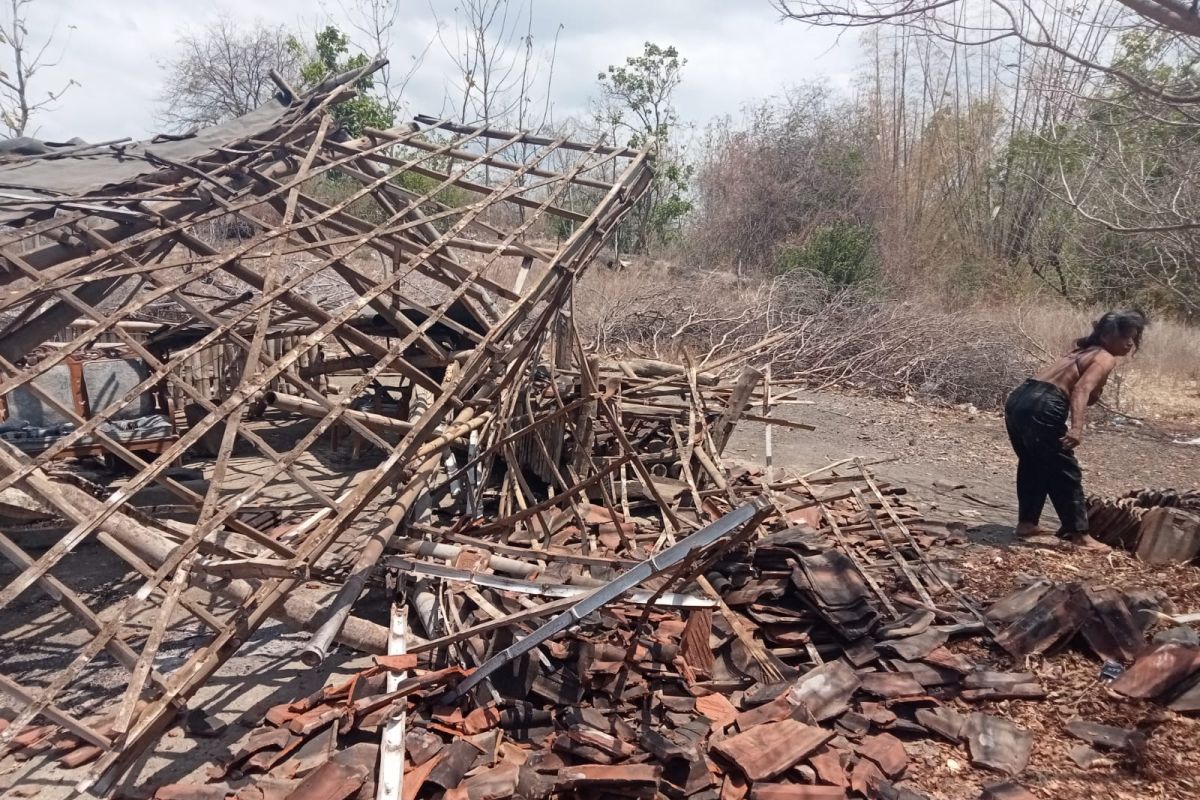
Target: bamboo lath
(404, 273)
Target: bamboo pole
(298, 405)
(339, 610)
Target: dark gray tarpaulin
(79, 172)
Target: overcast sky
(737, 50)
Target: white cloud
(736, 52)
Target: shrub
(843, 253)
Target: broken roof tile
(886, 751)
(1110, 631)
(453, 763)
(925, 674)
(331, 781)
(944, 658)
(605, 775)
(1006, 791)
(768, 750)
(1055, 617)
(826, 690)
(796, 791)
(1157, 670)
(877, 713)
(717, 707)
(997, 743)
(1086, 758)
(853, 724)
(866, 777)
(1187, 701)
(831, 768)
(917, 646)
(915, 622)
(1019, 603)
(833, 586)
(890, 685)
(694, 643)
(422, 745)
(988, 685)
(1168, 536)
(495, 783)
(734, 786)
(860, 652)
(1107, 737)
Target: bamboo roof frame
(108, 254)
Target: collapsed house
(292, 387)
(170, 339)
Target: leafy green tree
(640, 94)
(637, 101)
(330, 55)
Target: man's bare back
(1067, 372)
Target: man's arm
(1088, 385)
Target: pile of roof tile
(815, 672)
(1160, 526)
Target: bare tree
(223, 71)
(375, 23)
(789, 168)
(1058, 139)
(498, 68)
(1068, 29)
(25, 58)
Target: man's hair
(1120, 323)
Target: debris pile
(810, 660)
(1160, 526)
(452, 311)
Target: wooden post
(742, 391)
(768, 443)
(584, 420)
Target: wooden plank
(747, 381)
(150, 650)
(50, 712)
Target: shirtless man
(1037, 414)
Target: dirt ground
(951, 445)
(933, 449)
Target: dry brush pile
(806, 332)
